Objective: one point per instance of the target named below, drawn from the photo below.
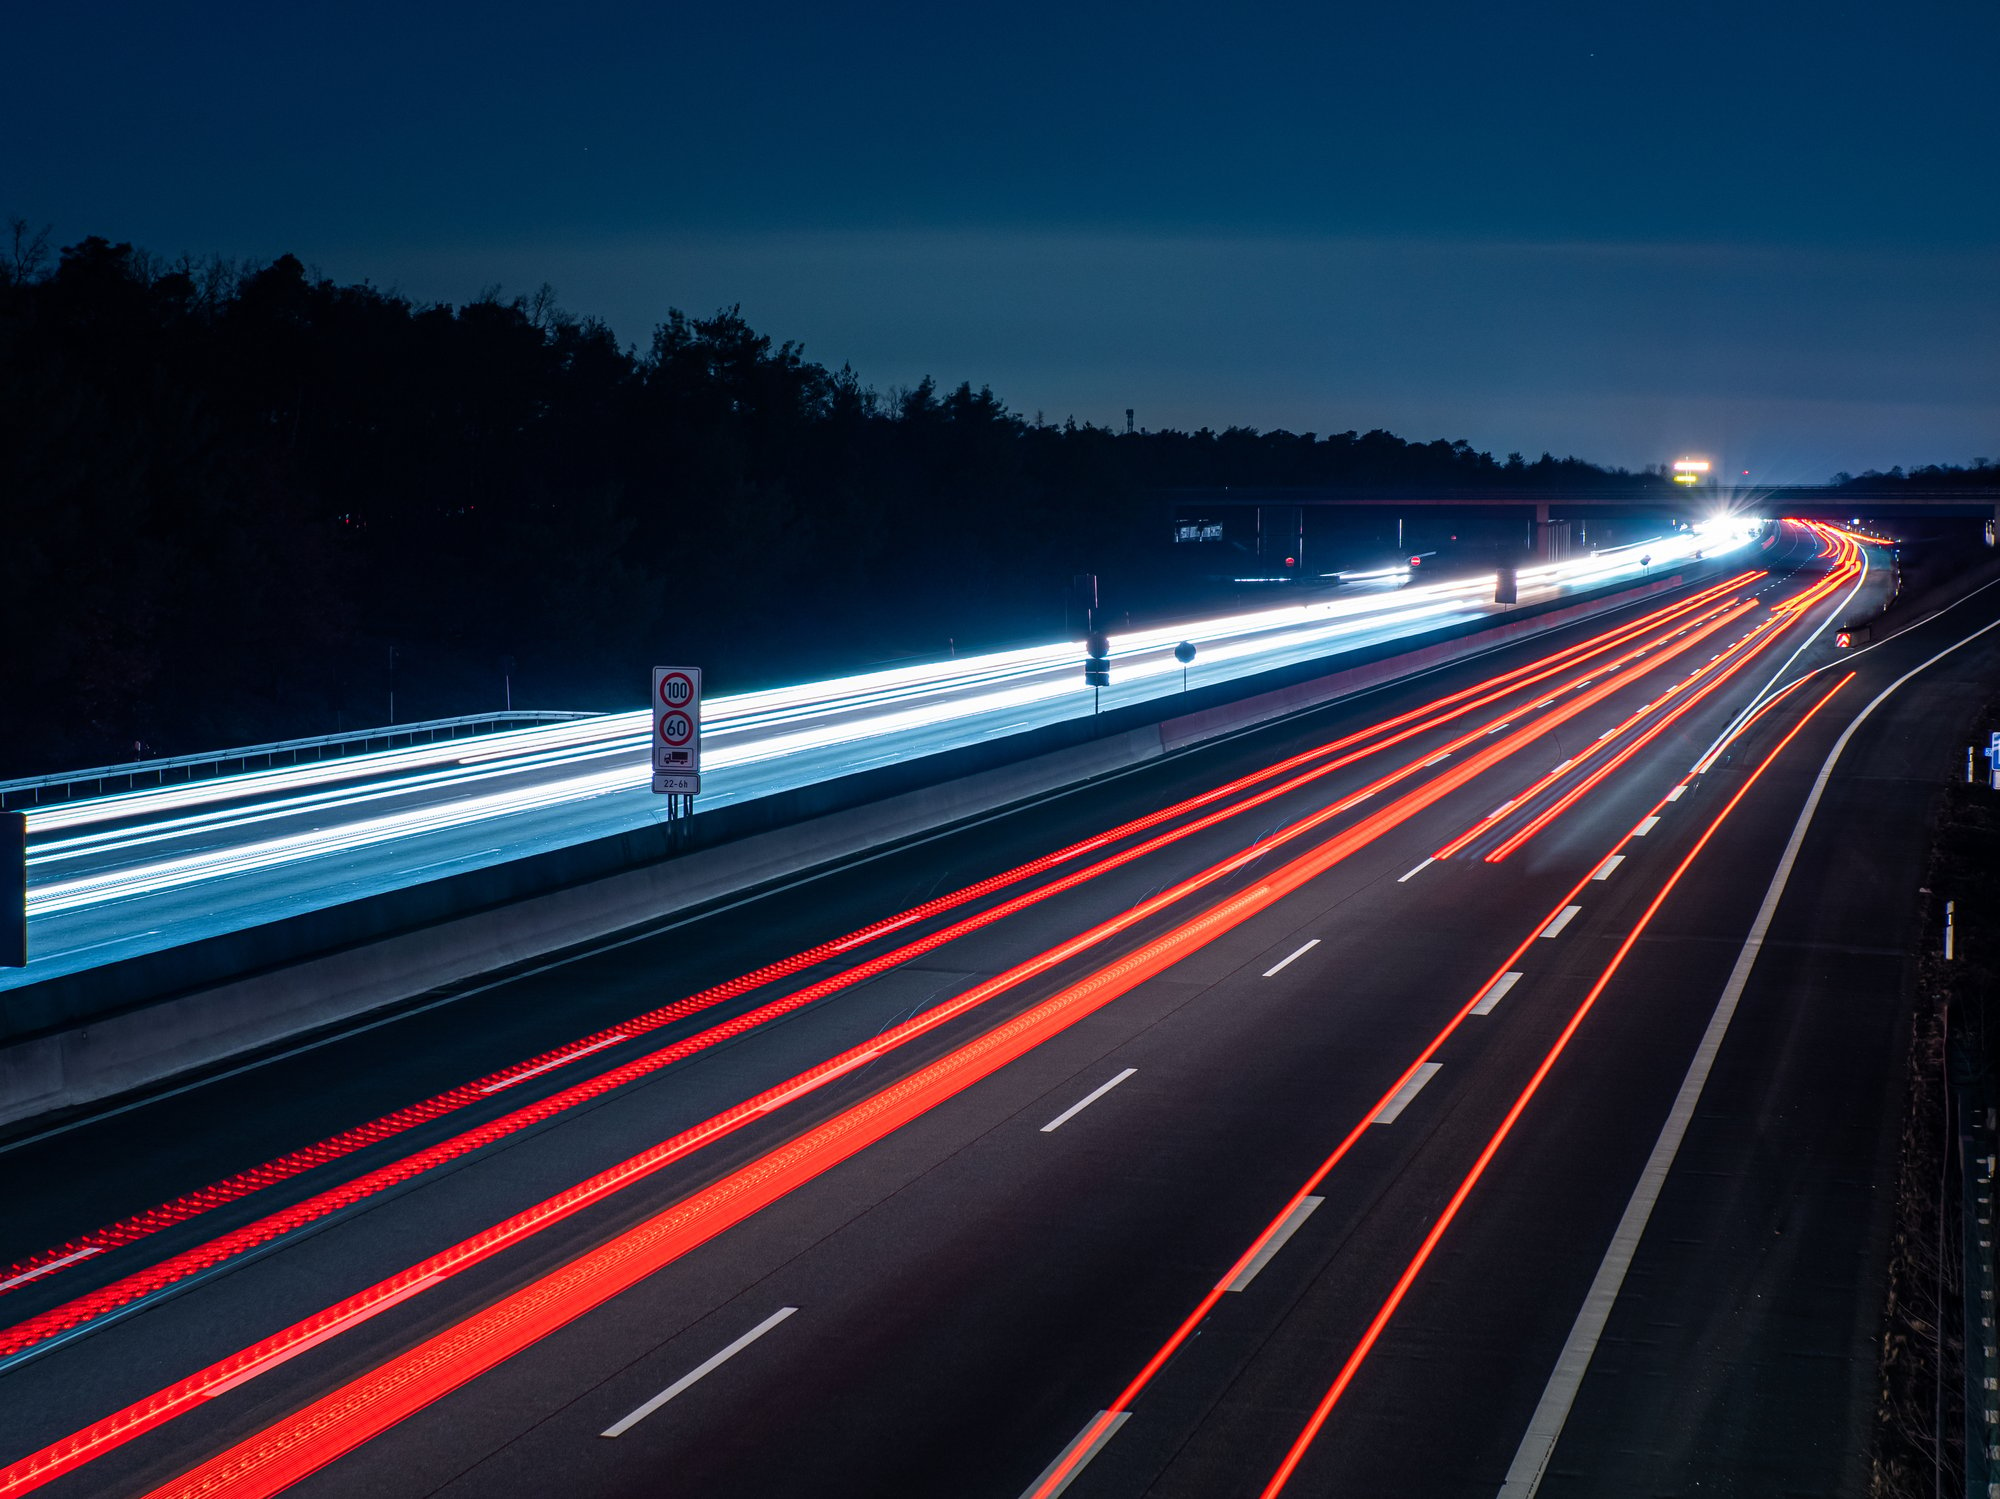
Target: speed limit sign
(676, 722)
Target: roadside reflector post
(13, 890)
(1950, 919)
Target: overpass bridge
(1552, 516)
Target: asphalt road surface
(1198, 1133)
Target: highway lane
(1374, 871)
(114, 876)
(1770, 1237)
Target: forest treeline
(230, 492)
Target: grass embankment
(1920, 1420)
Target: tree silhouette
(231, 489)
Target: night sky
(1767, 231)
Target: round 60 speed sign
(677, 729)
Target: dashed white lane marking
(1390, 1111)
(1499, 726)
(332, 1330)
(1562, 767)
(1294, 1221)
(1647, 826)
(581, 1051)
(1118, 1419)
(1604, 869)
(1496, 993)
(1501, 810)
(1676, 794)
(861, 1059)
(1405, 879)
(50, 1268)
(1436, 760)
(1563, 918)
(1290, 958)
(624, 1424)
(1085, 1102)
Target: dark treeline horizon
(230, 492)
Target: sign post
(677, 736)
(1096, 665)
(13, 890)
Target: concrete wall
(86, 1037)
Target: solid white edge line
(1604, 869)
(625, 1423)
(1391, 1111)
(1118, 1419)
(1285, 962)
(1497, 992)
(1405, 879)
(1562, 919)
(1085, 1102)
(1538, 1443)
(1294, 1221)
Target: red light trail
(141, 1283)
(1296, 1453)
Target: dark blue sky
(1767, 230)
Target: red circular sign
(676, 689)
(677, 728)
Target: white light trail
(465, 782)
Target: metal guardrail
(1977, 1146)
(67, 784)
